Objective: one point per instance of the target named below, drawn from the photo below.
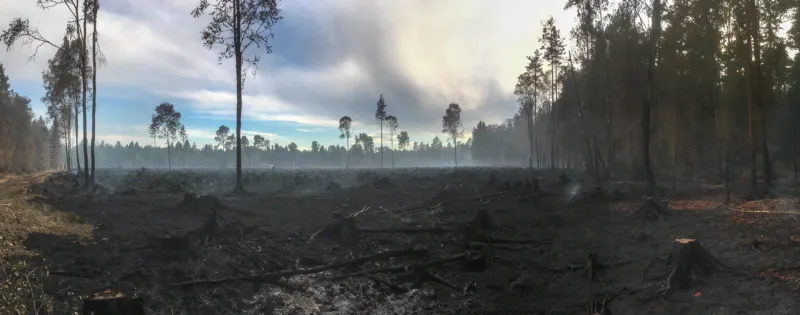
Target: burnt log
(111, 302)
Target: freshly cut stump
(111, 302)
(691, 264)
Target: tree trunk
(759, 96)
(169, 156)
(77, 141)
(590, 158)
(455, 148)
(69, 163)
(751, 122)
(655, 30)
(553, 116)
(674, 145)
(94, 82)
(347, 143)
(87, 182)
(530, 136)
(794, 159)
(238, 51)
(381, 142)
(534, 114)
(391, 140)
(608, 127)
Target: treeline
(26, 143)
(183, 154)
(724, 89)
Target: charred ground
(438, 241)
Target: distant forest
(725, 88)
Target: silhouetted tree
(167, 122)
(92, 16)
(451, 125)
(62, 85)
(380, 115)
(344, 127)
(236, 25)
(152, 130)
(402, 140)
(553, 46)
(391, 122)
(529, 84)
(221, 136)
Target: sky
(329, 58)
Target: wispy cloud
(330, 59)
(267, 135)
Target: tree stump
(343, 230)
(111, 302)
(651, 210)
(483, 220)
(206, 232)
(598, 193)
(593, 266)
(478, 258)
(691, 263)
(193, 202)
(563, 179)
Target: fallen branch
(492, 195)
(295, 272)
(403, 268)
(395, 288)
(420, 230)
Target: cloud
(267, 135)
(331, 58)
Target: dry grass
(21, 278)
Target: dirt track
(110, 238)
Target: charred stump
(563, 179)
(478, 257)
(690, 264)
(110, 302)
(593, 267)
(208, 231)
(193, 202)
(651, 210)
(598, 193)
(484, 220)
(342, 230)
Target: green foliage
(25, 142)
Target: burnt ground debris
(436, 241)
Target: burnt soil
(59, 243)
